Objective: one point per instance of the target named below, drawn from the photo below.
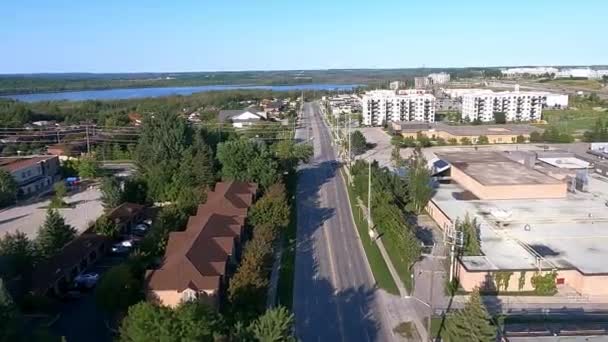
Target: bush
(544, 285)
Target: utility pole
(455, 239)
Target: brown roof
(197, 257)
(16, 163)
(125, 212)
(54, 268)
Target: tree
(500, 118)
(8, 188)
(465, 141)
(472, 323)
(60, 192)
(470, 229)
(111, 194)
(8, 315)
(290, 154)
(196, 321)
(520, 139)
(483, 140)
(358, 144)
(418, 182)
(135, 190)
(104, 226)
(272, 209)
(535, 137)
(245, 160)
(453, 141)
(396, 157)
(53, 234)
(19, 253)
(118, 289)
(88, 167)
(275, 325)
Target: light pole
(428, 323)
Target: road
(334, 295)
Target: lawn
(286, 275)
(401, 265)
(382, 275)
(571, 120)
(589, 84)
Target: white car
(126, 243)
(87, 279)
(141, 227)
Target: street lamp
(428, 323)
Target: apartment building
(382, 106)
(421, 82)
(33, 174)
(396, 85)
(517, 106)
(439, 78)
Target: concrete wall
(530, 191)
(442, 220)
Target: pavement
(335, 295)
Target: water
(134, 93)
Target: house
(242, 117)
(198, 260)
(33, 174)
(54, 275)
(126, 215)
(135, 118)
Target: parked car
(87, 280)
(140, 229)
(127, 243)
(118, 248)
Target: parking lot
(28, 216)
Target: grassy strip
(379, 269)
(288, 259)
(400, 264)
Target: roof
(227, 114)
(197, 257)
(13, 164)
(488, 168)
(471, 130)
(125, 212)
(53, 269)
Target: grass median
(288, 259)
(382, 275)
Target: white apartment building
(439, 78)
(581, 73)
(382, 106)
(396, 85)
(517, 106)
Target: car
(87, 280)
(127, 243)
(118, 248)
(147, 222)
(141, 228)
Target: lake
(134, 93)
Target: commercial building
(33, 174)
(516, 105)
(439, 78)
(382, 106)
(496, 134)
(199, 259)
(533, 224)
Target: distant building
(396, 85)
(496, 134)
(439, 78)
(242, 117)
(532, 71)
(421, 82)
(33, 174)
(382, 106)
(517, 106)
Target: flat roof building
(382, 106)
(496, 134)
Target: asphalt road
(334, 295)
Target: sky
(221, 35)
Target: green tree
(418, 182)
(53, 234)
(195, 321)
(472, 323)
(111, 194)
(290, 154)
(146, 322)
(544, 284)
(520, 139)
(271, 209)
(104, 226)
(118, 289)
(60, 193)
(500, 118)
(9, 324)
(88, 167)
(536, 137)
(19, 253)
(483, 140)
(8, 188)
(135, 191)
(465, 141)
(358, 144)
(453, 141)
(246, 160)
(396, 158)
(275, 325)
(470, 229)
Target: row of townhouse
(517, 106)
(379, 107)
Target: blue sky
(184, 35)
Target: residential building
(198, 261)
(33, 174)
(396, 85)
(581, 73)
(439, 78)
(242, 117)
(421, 82)
(517, 106)
(496, 134)
(532, 71)
(458, 93)
(382, 106)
